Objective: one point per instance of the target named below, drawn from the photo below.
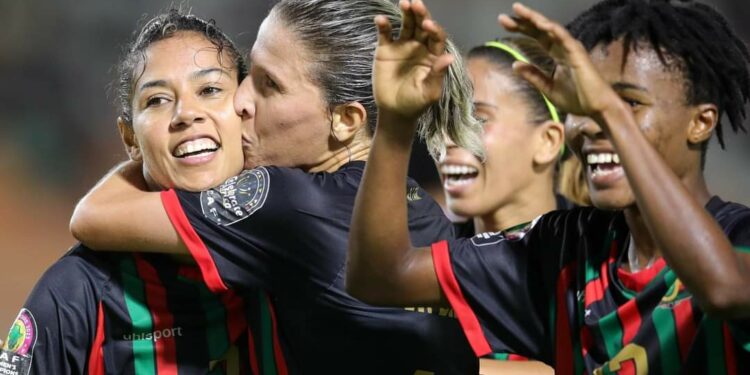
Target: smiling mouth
(458, 175)
(603, 164)
(195, 147)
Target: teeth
(194, 146)
(601, 172)
(602, 158)
(450, 169)
(457, 181)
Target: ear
(551, 137)
(702, 124)
(348, 119)
(128, 139)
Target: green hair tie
(520, 57)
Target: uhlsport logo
(16, 354)
(155, 335)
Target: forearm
(118, 214)
(494, 367)
(696, 248)
(383, 267)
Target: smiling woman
(178, 118)
(98, 313)
(653, 279)
(308, 104)
(523, 138)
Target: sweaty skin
(385, 269)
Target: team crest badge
(16, 354)
(237, 198)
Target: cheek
(505, 140)
(151, 142)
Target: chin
(611, 200)
(199, 183)
(461, 207)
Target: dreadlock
(694, 37)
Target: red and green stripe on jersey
(159, 319)
(638, 323)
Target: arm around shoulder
(118, 214)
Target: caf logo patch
(237, 198)
(16, 354)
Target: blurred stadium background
(57, 120)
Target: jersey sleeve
(249, 232)
(501, 289)
(427, 222)
(740, 238)
(56, 327)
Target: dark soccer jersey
(106, 313)
(287, 231)
(557, 294)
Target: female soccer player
(307, 103)
(97, 313)
(654, 279)
(521, 125)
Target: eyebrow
(484, 104)
(196, 75)
(622, 86)
(156, 83)
(204, 72)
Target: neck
(336, 159)
(526, 206)
(642, 241)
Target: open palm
(408, 72)
(576, 86)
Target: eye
(481, 117)
(270, 83)
(633, 103)
(210, 90)
(155, 101)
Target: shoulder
(80, 273)
(575, 221)
(734, 219)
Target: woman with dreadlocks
(626, 286)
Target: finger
(440, 66)
(407, 20)
(536, 77)
(421, 13)
(434, 83)
(436, 37)
(385, 30)
(532, 23)
(523, 26)
(525, 13)
(507, 22)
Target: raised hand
(575, 87)
(408, 72)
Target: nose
(448, 144)
(578, 128)
(187, 112)
(244, 104)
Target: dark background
(57, 120)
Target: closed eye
(270, 83)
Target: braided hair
(688, 36)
